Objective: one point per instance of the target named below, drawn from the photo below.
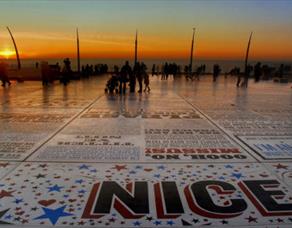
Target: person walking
(216, 72)
(3, 74)
(126, 71)
(146, 81)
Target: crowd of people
(120, 78)
(88, 70)
(129, 77)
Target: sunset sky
(46, 29)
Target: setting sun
(7, 53)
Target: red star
(24, 221)
(120, 167)
(4, 193)
(280, 166)
(4, 164)
(81, 223)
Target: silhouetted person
(133, 76)
(112, 83)
(216, 72)
(125, 73)
(146, 80)
(281, 71)
(66, 71)
(153, 70)
(257, 72)
(248, 70)
(3, 74)
(45, 70)
(140, 75)
(166, 71)
(186, 72)
(238, 80)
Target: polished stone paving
(185, 154)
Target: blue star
(170, 222)
(228, 166)
(237, 175)
(138, 167)
(17, 201)
(93, 170)
(222, 178)
(80, 181)
(157, 223)
(161, 167)
(55, 188)
(157, 175)
(83, 166)
(137, 223)
(66, 196)
(82, 191)
(8, 217)
(53, 214)
(132, 172)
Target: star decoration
(237, 175)
(149, 218)
(4, 193)
(157, 223)
(53, 214)
(17, 201)
(196, 220)
(2, 213)
(251, 219)
(120, 167)
(4, 164)
(80, 181)
(40, 176)
(224, 221)
(82, 191)
(170, 222)
(161, 167)
(84, 166)
(280, 220)
(136, 223)
(280, 166)
(55, 188)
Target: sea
(226, 65)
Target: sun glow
(7, 53)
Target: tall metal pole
(136, 47)
(192, 51)
(15, 47)
(78, 52)
(247, 51)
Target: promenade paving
(189, 153)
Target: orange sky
(107, 29)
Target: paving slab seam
(62, 127)
(220, 128)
